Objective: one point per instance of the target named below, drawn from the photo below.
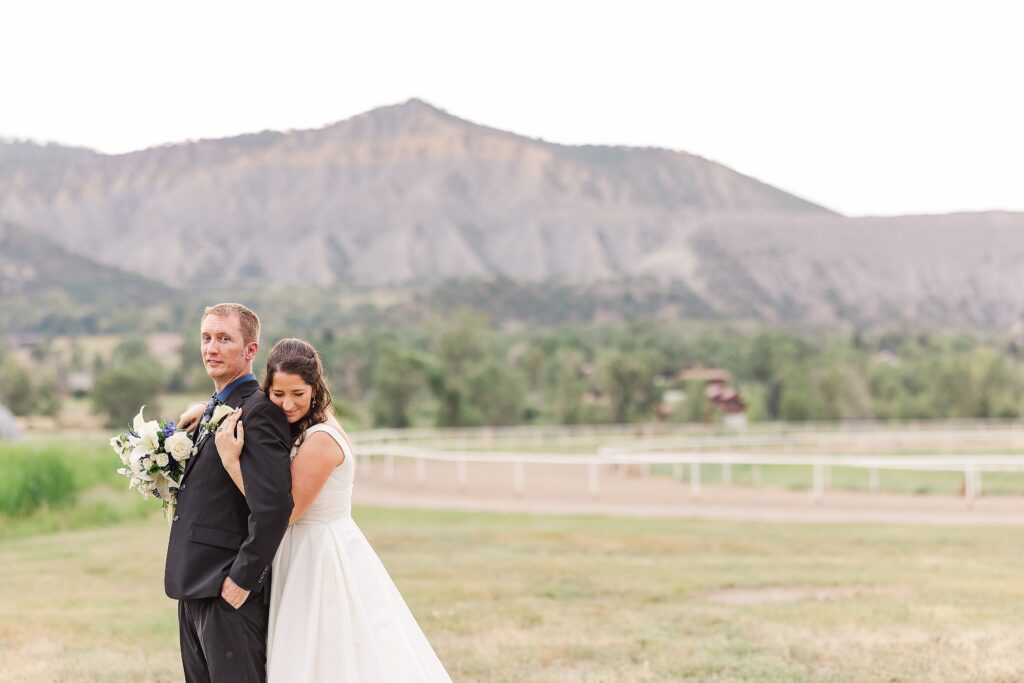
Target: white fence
(689, 436)
(820, 465)
(820, 447)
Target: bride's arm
(318, 456)
(316, 459)
(333, 421)
(230, 437)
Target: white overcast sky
(866, 107)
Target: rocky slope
(411, 195)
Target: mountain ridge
(449, 196)
(411, 195)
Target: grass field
(541, 599)
(516, 598)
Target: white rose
(162, 459)
(179, 446)
(219, 413)
(147, 462)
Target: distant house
(718, 392)
(80, 382)
(728, 400)
(8, 427)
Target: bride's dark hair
(297, 357)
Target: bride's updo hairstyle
(297, 357)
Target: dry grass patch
(545, 600)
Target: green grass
(30, 481)
(50, 485)
(545, 599)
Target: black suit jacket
(218, 532)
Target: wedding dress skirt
(335, 613)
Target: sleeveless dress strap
(324, 427)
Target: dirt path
(563, 490)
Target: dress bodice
(334, 502)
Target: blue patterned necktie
(207, 414)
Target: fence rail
(971, 466)
(647, 436)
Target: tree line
(460, 370)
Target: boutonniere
(219, 413)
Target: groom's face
(225, 353)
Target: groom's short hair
(249, 321)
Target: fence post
(517, 477)
(389, 468)
(969, 484)
(421, 471)
(695, 479)
(726, 474)
(755, 475)
(677, 471)
(461, 470)
(873, 480)
(593, 479)
(819, 482)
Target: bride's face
(291, 394)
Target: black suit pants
(220, 644)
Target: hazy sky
(866, 107)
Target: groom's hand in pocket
(232, 593)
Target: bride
(335, 613)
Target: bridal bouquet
(154, 454)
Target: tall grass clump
(33, 478)
(61, 484)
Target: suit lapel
(235, 399)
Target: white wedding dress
(335, 613)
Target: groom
(222, 543)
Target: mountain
(409, 195)
(400, 194)
(961, 270)
(42, 285)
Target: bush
(120, 392)
(397, 380)
(16, 390)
